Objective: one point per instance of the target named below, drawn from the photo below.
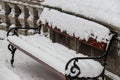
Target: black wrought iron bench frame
(12, 47)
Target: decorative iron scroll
(14, 32)
(72, 69)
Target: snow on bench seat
(54, 54)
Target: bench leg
(12, 49)
(103, 76)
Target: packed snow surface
(6, 74)
(103, 10)
(2, 34)
(73, 25)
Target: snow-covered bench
(57, 56)
(63, 60)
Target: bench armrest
(74, 65)
(103, 56)
(92, 57)
(15, 30)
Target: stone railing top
(32, 3)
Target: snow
(2, 34)
(21, 16)
(6, 74)
(12, 26)
(1, 10)
(24, 3)
(3, 24)
(25, 67)
(103, 10)
(12, 13)
(108, 12)
(73, 25)
(30, 17)
(31, 31)
(119, 53)
(46, 51)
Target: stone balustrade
(25, 13)
(21, 14)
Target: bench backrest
(85, 31)
(91, 41)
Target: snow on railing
(21, 16)
(30, 17)
(12, 26)
(108, 13)
(2, 10)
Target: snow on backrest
(87, 31)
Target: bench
(60, 59)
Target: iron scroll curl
(72, 69)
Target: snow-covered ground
(6, 74)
